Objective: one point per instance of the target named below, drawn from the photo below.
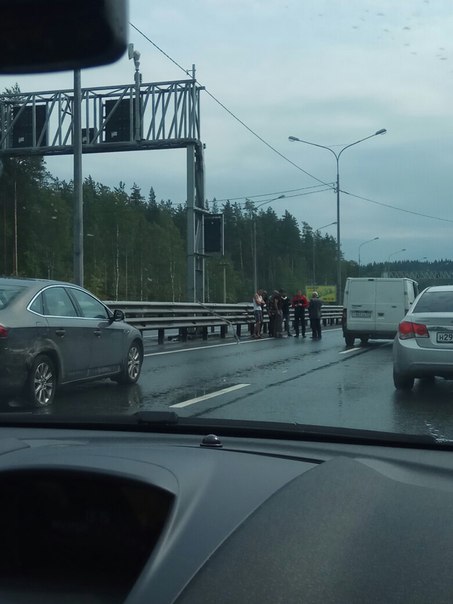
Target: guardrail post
(223, 331)
(160, 336)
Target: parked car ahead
(423, 347)
(54, 333)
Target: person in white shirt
(258, 304)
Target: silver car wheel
(402, 382)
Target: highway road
(290, 379)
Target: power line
(398, 209)
(331, 186)
(225, 108)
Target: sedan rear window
(8, 293)
(435, 302)
(57, 303)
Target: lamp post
(393, 254)
(255, 264)
(324, 226)
(363, 243)
(337, 156)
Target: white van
(373, 307)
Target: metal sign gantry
(132, 117)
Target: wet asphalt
(292, 380)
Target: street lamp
(255, 264)
(397, 252)
(324, 226)
(363, 243)
(337, 159)
(393, 254)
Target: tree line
(135, 246)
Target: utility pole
(78, 184)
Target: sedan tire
(42, 382)
(133, 365)
(402, 382)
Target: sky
(330, 72)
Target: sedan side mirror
(118, 315)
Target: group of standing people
(278, 307)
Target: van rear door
(390, 304)
(362, 305)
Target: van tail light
(407, 330)
(3, 331)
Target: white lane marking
(349, 350)
(207, 347)
(192, 401)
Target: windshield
(259, 189)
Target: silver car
(423, 346)
(54, 333)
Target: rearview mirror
(56, 35)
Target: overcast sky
(327, 71)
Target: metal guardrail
(196, 319)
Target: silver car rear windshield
(435, 302)
(8, 293)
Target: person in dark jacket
(315, 313)
(299, 303)
(285, 310)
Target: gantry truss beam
(121, 118)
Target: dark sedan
(54, 333)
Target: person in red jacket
(299, 303)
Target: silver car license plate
(444, 337)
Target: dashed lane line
(205, 397)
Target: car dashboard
(118, 516)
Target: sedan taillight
(3, 331)
(407, 329)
